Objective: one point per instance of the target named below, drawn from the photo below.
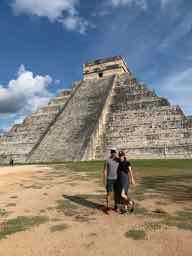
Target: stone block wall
(105, 67)
(21, 138)
(143, 124)
(68, 137)
(96, 115)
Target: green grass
(140, 233)
(163, 164)
(136, 234)
(91, 168)
(143, 167)
(152, 226)
(140, 164)
(140, 211)
(183, 216)
(157, 213)
(181, 219)
(166, 180)
(184, 225)
(59, 227)
(19, 224)
(163, 177)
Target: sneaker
(107, 210)
(132, 206)
(124, 211)
(115, 209)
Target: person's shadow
(81, 200)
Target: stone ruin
(108, 108)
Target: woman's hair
(121, 153)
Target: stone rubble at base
(108, 107)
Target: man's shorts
(111, 185)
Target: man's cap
(113, 150)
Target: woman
(125, 177)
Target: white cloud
(2, 131)
(24, 94)
(63, 11)
(75, 23)
(178, 88)
(139, 3)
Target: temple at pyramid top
(105, 67)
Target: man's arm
(104, 173)
(131, 175)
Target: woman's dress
(123, 176)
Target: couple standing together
(118, 175)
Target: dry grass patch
(182, 220)
(19, 224)
(3, 212)
(67, 207)
(136, 234)
(59, 227)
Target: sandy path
(34, 190)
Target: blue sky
(44, 43)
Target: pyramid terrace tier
(96, 115)
(21, 138)
(138, 121)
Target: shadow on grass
(83, 201)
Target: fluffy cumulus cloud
(139, 3)
(75, 23)
(63, 11)
(178, 87)
(24, 94)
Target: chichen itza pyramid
(107, 108)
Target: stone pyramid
(108, 108)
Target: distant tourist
(125, 177)
(11, 162)
(110, 177)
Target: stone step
(138, 118)
(68, 137)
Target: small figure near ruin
(11, 162)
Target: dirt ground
(77, 224)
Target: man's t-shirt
(112, 166)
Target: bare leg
(108, 199)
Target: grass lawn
(171, 178)
(143, 167)
(167, 181)
(164, 181)
(19, 224)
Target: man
(11, 162)
(110, 177)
